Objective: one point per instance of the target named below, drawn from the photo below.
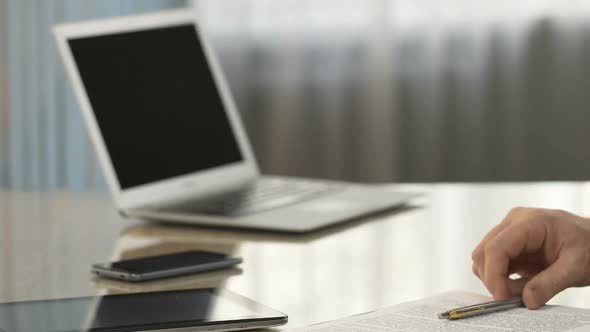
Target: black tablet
(190, 310)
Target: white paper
(421, 316)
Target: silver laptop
(169, 138)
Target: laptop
(169, 137)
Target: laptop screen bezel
(194, 184)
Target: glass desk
(48, 241)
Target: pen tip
(443, 315)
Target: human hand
(548, 249)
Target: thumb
(542, 287)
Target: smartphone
(169, 265)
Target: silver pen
(481, 309)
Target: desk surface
(49, 240)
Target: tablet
(179, 310)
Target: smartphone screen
(168, 262)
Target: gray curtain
(361, 90)
(3, 94)
(43, 141)
(409, 90)
(314, 81)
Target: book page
(421, 316)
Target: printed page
(421, 316)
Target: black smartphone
(163, 266)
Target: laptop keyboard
(264, 194)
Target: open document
(421, 316)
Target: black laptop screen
(156, 103)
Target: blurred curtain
(3, 94)
(367, 90)
(314, 81)
(408, 90)
(43, 141)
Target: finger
(512, 242)
(498, 228)
(478, 256)
(549, 282)
(516, 286)
(475, 270)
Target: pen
(481, 309)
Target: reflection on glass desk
(49, 240)
(213, 279)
